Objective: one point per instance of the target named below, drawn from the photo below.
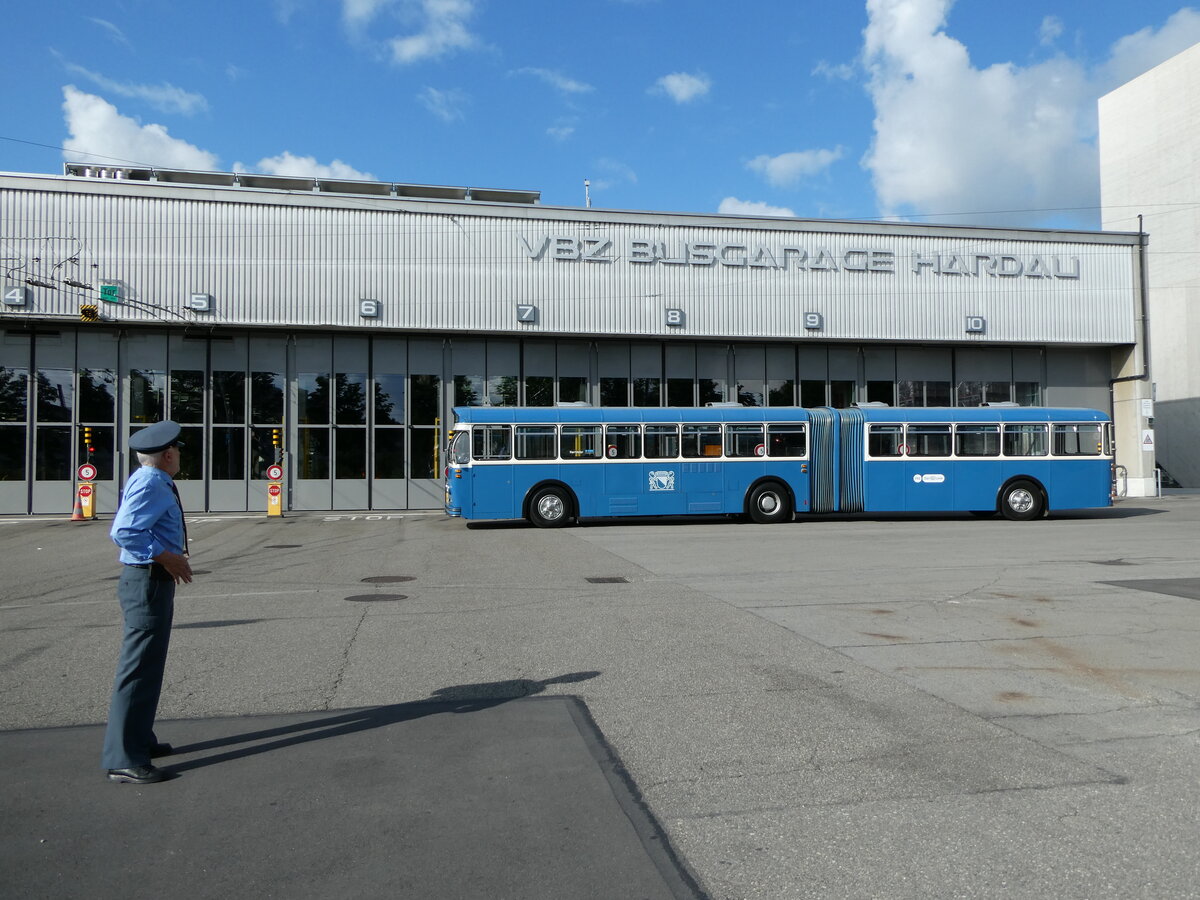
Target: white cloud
(443, 30)
(613, 172)
(557, 80)
(732, 206)
(682, 87)
(839, 72)
(304, 167)
(562, 129)
(113, 31)
(446, 105)
(952, 139)
(163, 97)
(1050, 30)
(1143, 50)
(787, 169)
(98, 133)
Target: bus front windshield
(460, 448)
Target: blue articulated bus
(557, 465)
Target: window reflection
(312, 396)
(389, 399)
(266, 397)
(13, 393)
(147, 391)
(55, 392)
(97, 395)
(351, 459)
(351, 398)
(228, 453)
(187, 395)
(229, 397)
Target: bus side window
(928, 440)
(1078, 440)
(977, 440)
(701, 441)
(884, 440)
(622, 442)
(787, 440)
(662, 441)
(535, 442)
(744, 440)
(491, 442)
(580, 442)
(1025, 440)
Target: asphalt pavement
(397, 705)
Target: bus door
(622, 479)
(492, 472)
(978, 470)
(701, 470)
(884, 471)
(929, 483)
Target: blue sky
(961, 112)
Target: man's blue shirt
(149, 519)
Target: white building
(345, 319)
(1150, 168)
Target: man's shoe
(137, 775)
(157, 750)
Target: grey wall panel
(289, 260)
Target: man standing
(151, 533)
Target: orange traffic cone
(77, 512)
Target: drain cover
(282, 546)
(375, 598)
(388, 579)
(608, 579)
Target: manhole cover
(608, 579)
(388, 579)
(375, 598)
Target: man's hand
(177, 566)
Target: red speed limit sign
(274, 473)
(87, 472)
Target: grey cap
(156, 438)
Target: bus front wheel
(769, 503)
(1022, 501)
(550, 508)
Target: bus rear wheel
(550, 508)
(1022, 501)
(769, 503)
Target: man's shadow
(462, 698)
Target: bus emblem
(662, 480)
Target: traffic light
(87, 440)
(277, 441)
(89, 312)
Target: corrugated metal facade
(292, 259)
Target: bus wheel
(1022, 501)
(549, 508)
(769, 503)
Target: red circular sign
(85, 490)
(87, 472)
(274, 473)
(273, 490)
